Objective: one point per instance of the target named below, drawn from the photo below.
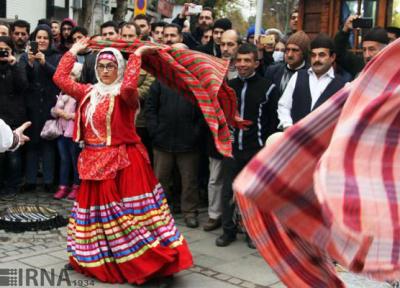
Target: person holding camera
(373, 42)
(40, 64)
(205, 20)
(13, 82)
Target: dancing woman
(120, 229)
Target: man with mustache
(20, 30)
(297, 49)
(308, 89)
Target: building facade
(32, 11)
(329, 15)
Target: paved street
(233, 266)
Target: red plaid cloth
(199, 77)
(327, 188)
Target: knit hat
(223, 23)
(323, 41)
(301, 39)
(377, 34)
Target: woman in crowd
(13, 83)
(68, 151)
(40, 98)
(120, 229)
(279, 52)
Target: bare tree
(86, 14)
(121, 10)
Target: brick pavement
(232, 266)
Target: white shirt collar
(330, 73)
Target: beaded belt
(96, 145)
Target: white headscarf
(100, 91)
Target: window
(364, 8)
(3, 9)
(59, 3)
(393, 18)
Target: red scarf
(199, 77)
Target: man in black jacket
(257, 100)
(174, 125)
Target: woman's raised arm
(62, 76)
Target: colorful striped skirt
(121, 230)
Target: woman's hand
(147, 50)
(79, 46)
(40, 57)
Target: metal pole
(259, 16)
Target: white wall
(28, 10)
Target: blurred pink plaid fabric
(327, 188)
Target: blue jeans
(44, 150)
(69, 152)
(11, 171)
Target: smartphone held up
(195, 9)
(34, 47)
(362, 23)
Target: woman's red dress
(120, 228)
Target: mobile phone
(196, 9)
(362, 23)
(267, 39)
(4, 53)
(34, 47)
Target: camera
(34, 47)
(362, 23)
(4, 53)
